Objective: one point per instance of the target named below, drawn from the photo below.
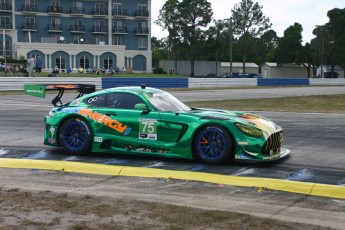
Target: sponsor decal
(106, 120)
(150, 149)
(51, 141)
(76, 102)
(34, 90)
(92, 99)
(70, 110)
(243, 157)
(159, 95)
(69, 86)
(148, 129)
(52, 131)
(243, 143)
(98, 139)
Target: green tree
(290, 45)
(267, 45)
(335, 41)
(307, 58)
(248, 23)
(159, 51)
(168, 20)
(193, 16)
(215, 42)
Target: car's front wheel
(75, 136)
(213, 145)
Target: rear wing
(39, 90)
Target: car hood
(265, 125)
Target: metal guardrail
(151, 82)
(17, 83)
(221, 82)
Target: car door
(121, 122)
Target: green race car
(150, 121)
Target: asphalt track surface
(313, 175)
(316, 141)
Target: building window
(117, 40)
(108, 62)
(142, 43)
(142, 7)
(30, 37)
(117, 24)
(117, 7)
(55, 21)
(84, 62)
(5, 22)
(5, 51)
(141, 25)
(30, 21)
(60, 61)
(99, 7)
(5, 2)
(78, 25)
(142, 11)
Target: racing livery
(150, 121)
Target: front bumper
(260, 158)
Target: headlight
(51, 113)
(249, 130)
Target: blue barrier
(150, 82)
(282, 81)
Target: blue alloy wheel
(75, 136)
(214, 145)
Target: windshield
(163, 101)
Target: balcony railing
(141, 13)
(5, 7)
(29, 27)
(120, 30)
(141, 31)
(54, 10)
(120, 13)
(99, 12)
(77, 29)
(77, 11)
(6, 26)
(29, 9)
(54, 27)
(99, 29)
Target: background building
(86, 33)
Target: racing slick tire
(75, 136)
(214, 145)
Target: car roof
(131, 89)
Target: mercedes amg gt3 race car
(150, 121)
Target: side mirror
(141, 106)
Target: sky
(282, 13)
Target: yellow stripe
(314, 189)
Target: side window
(122, 100)
(98, 100)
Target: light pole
(321, 29)
(230, 43)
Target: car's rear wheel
(75, 136)
(213, 145)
